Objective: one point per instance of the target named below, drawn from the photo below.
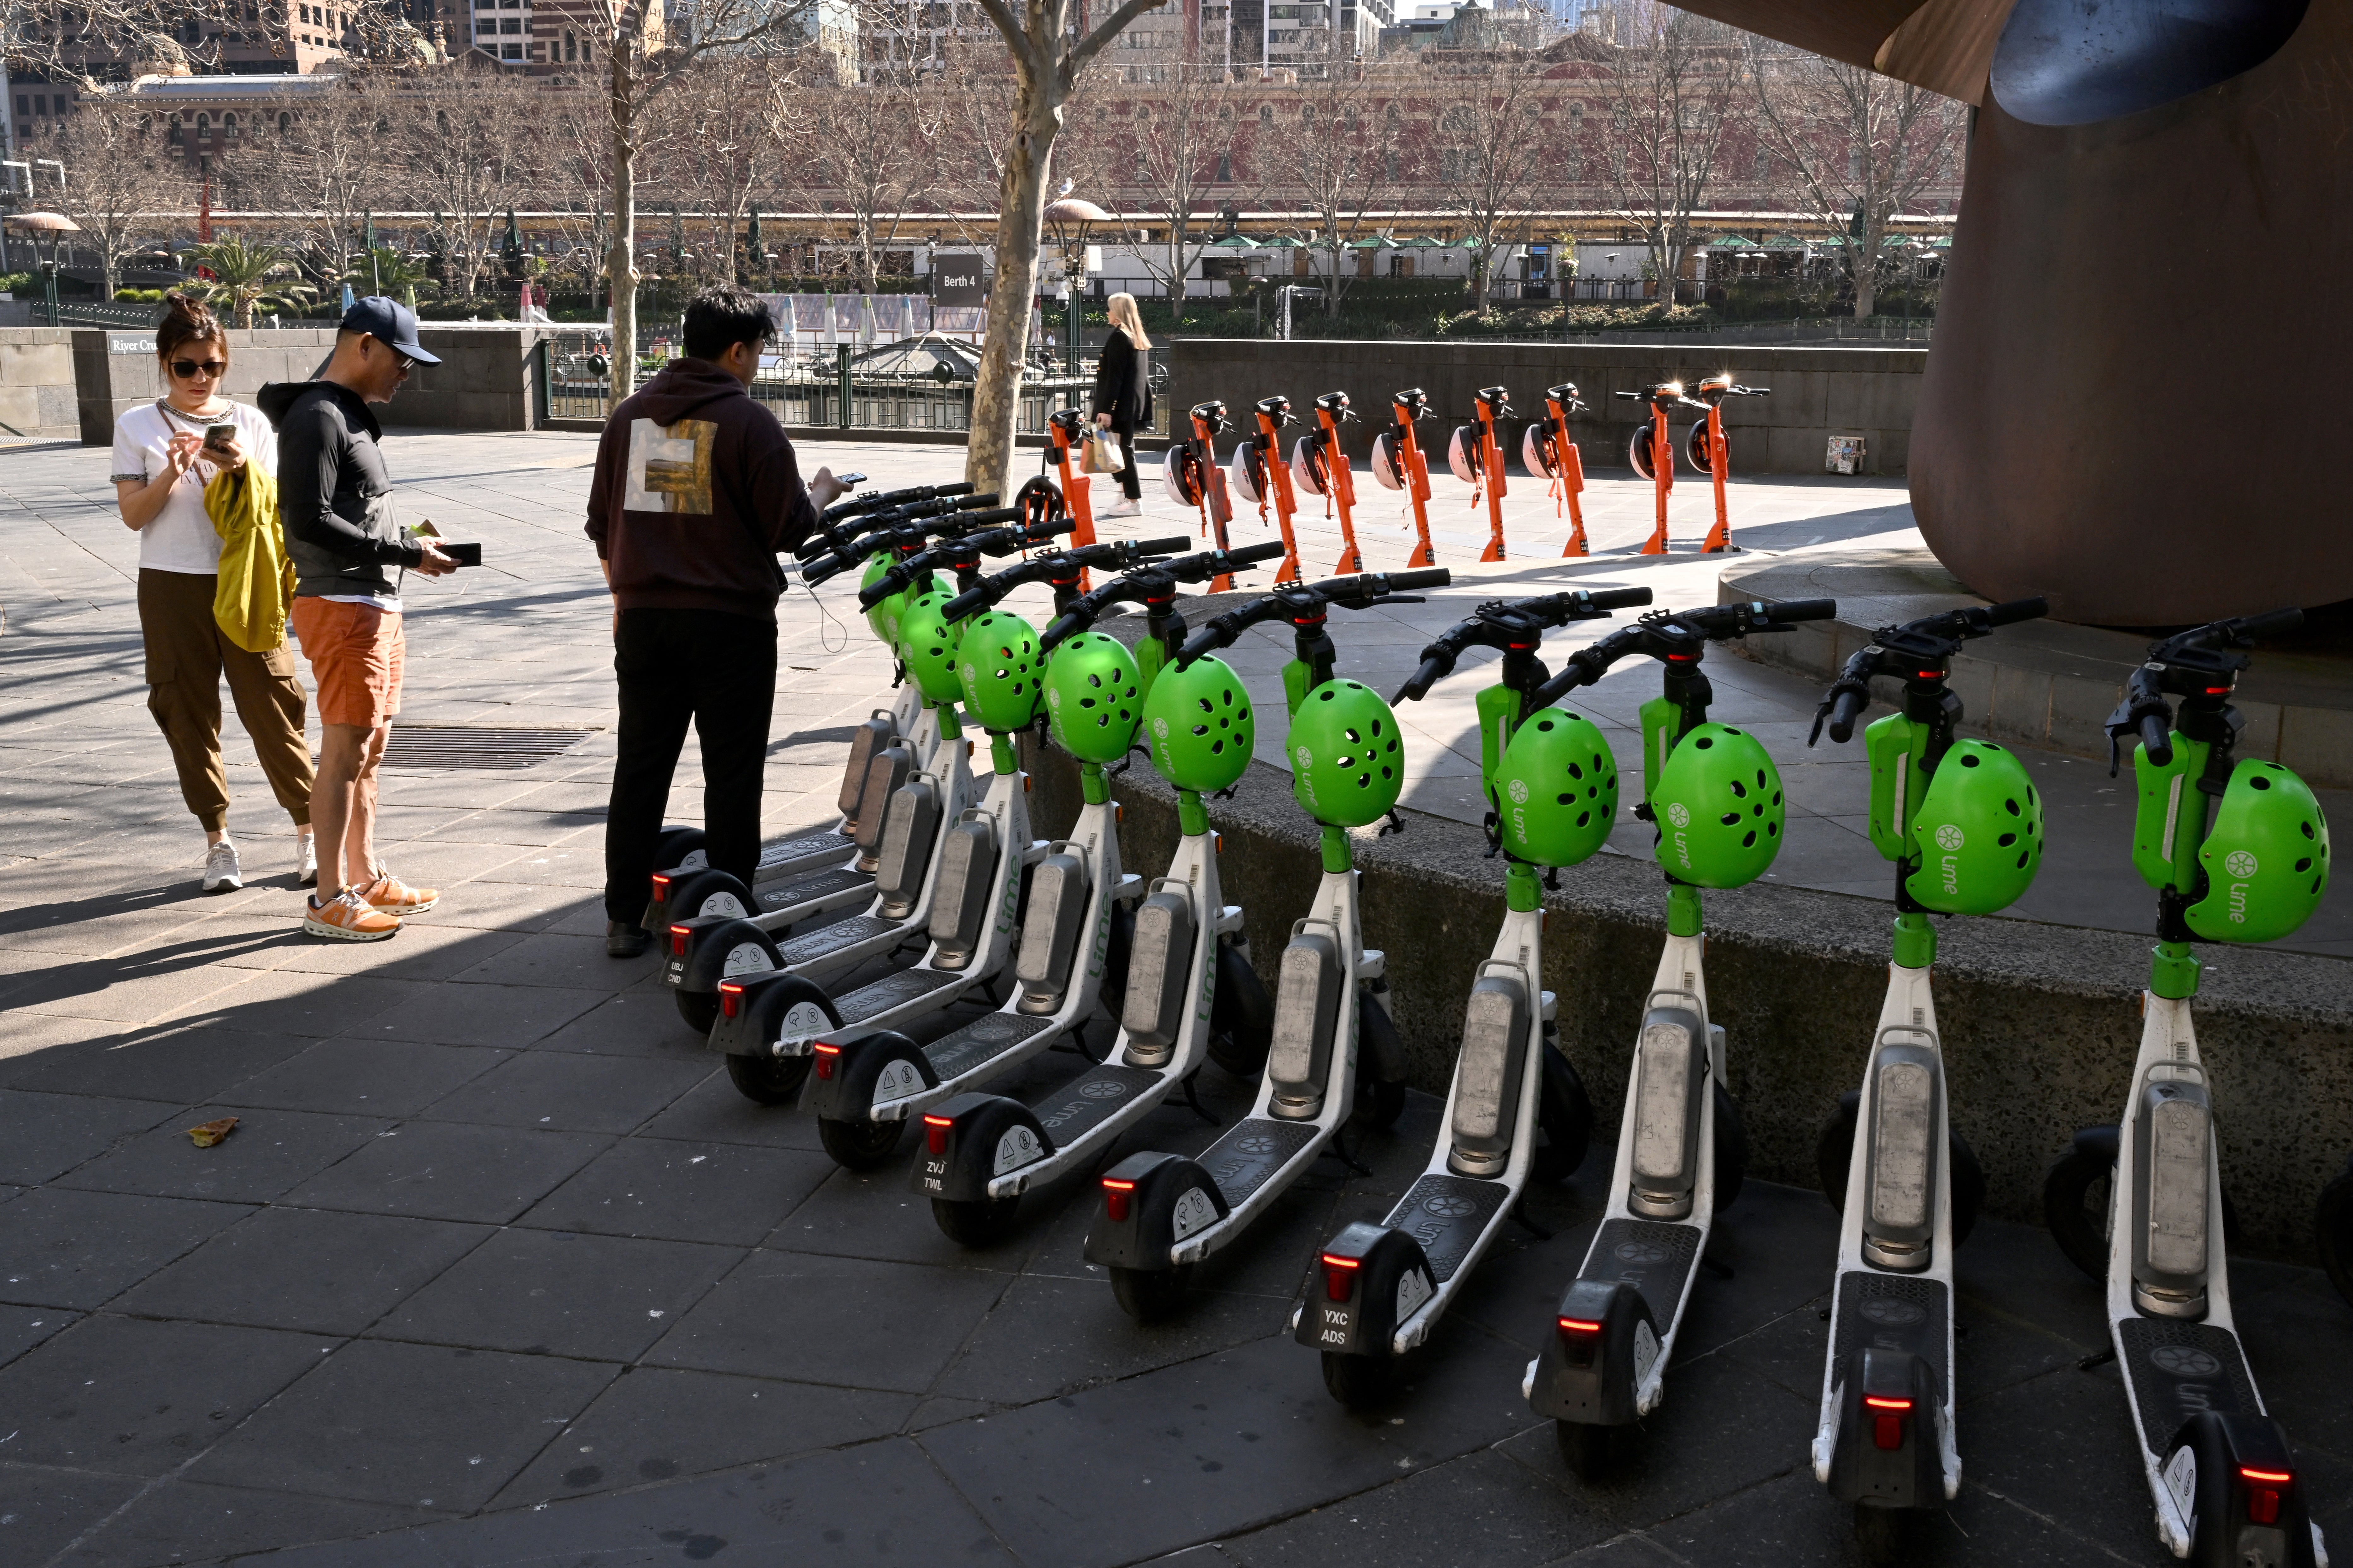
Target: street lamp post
(47, 230)
(1071, 216)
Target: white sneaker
(222, 873)
(306, 860)
(1124, 508)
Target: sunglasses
(211, 368)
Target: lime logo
(1160, 727)
(1304, 758)
(2240, 864)
(1054, 697)
(1679, 814)
(1949, 838)
(1519, 791)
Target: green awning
(1234, 242)
(1379, 242)
(1731, 242)
(1425, 242)
(1282, 242)
(1783, 242)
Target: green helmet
(1556, 789)
(1199, 720)
(2267, 857)
(1979, 831)
(1093, 698)
(1719, 809)
(927, 646)
(998, 667)
(1347, 767)
(883, 616)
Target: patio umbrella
(866, 318)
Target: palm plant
(247, 278)
(385, 270)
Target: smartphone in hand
(218, 436)
(463, 555)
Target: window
(40, 103)
(510, 51)
(1266, 114)
(587, 56)
(571, 47)
(1224, 169)
(285, 124)
(510, 25)
(229, 123)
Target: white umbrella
(866, 318)
(833, 326)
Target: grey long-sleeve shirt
(334, 493)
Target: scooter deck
(1655, 1257)
(1893, 1312)
(840, 887)
(826, 941)
(2177, 1370)
(792, 856)
(1448, 1215)
(1080, 1106)
(1252, 1151)
(982, 1041)
(893, 993)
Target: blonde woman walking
(1123, 399)
(165, 454)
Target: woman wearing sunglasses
(161, 464)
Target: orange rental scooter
(1066, 428)
(1711, 454)
(1319, 465)
(1192, 478)
(1545, 448)
(1399, 465)
(1652, 451)
(1476, 456)
(1261, 476)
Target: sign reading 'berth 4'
(960, 281)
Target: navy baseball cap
(388, 322)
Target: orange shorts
(356, 652)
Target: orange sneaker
(345, 918)
(391, 896)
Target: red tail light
(1887, 1424)
(1876, 1403)
(2263, 1488)
(661, 884)
(1340, 1277)
(935, 1134)
(827, 1055)
(1117, 1195)
(730, 998)
(677, 935)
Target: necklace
(183, 415)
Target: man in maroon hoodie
(696, 493)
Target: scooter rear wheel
(700, 1009)
(2078, 1198)
(2334, 1222)
(1149, 1294)
(1590, 1452)
(1731, 1149)
(1564, 1121)
(975, 1222)
(1697, 448)
(1638, 452)
(858, 1145)
(769, 1080)
(1359, 1382)
(1881, 1535)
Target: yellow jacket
(257, 578)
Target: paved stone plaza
(498, 1269)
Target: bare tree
(467, 144)
(650, 48)
(1346, 156)
(1848, 143)
(722, 147)
(1050, 52)
(1670, 86)
(1494, 167)
(328, 173)
(1181, 150)
(121, 179)
(873, 151)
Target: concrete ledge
(37, 384)
(2046, 683)
(2040, 1022)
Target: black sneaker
(624, 939)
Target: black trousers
(1129, 485)
(675, 666)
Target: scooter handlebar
(1845, 707)
(1427, 577)
(2157, 735)
(1806, 610)
(1620, 598)
(2017, 610)
(1251, 555)
(2272, 623)
(1437, 667)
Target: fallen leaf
(211, 1132)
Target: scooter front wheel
(1731, 1149)
(975, 1222)
(1590, 1452)
(1639, 456)
(1149, 1294)
(1564, 1121)
(1359, 1382)
(2078, 1200)
(2334, 1224)
(700, 1009)
(1835, 1148)
(767, 1080)
(857, 1145)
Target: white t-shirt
(180, 537)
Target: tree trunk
(621, 260)
(1177, 268)
(1867, 271)
(1020, 218)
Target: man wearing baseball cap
(343, 537)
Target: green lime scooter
(2237, 849)
(1515, 1107)
(1162, 1213)
(1715, 800)
(1964, 825)
(1077, 920)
